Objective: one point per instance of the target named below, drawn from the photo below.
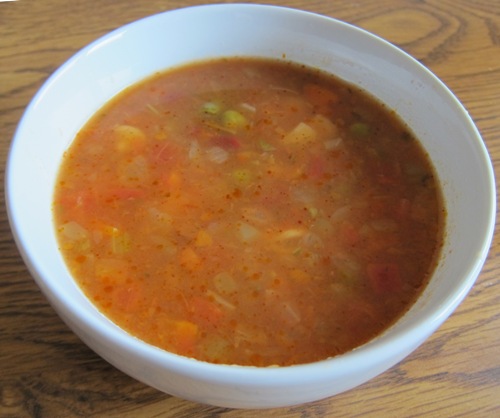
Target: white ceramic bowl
(99, 71)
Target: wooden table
(46, 371)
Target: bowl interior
(98, 72)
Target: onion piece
(291, 233)
(217, 155)
(247, 232)
(248, 107)
(225, 283)
(73, 231)
(220, 300)
(332, 144)
(194, 150)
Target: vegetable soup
(249, 211)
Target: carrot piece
(203, 239)
(174, 181)
(185, 334)
(384, 277)
(189, 259)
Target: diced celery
(211, 108)
(360, 129)
(266, 146)
(312, 211)
(242, 176)
(232, 119)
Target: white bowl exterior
(98, 72)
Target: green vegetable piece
(266, 146)
(360, 129)
(242, 176)
(312, 211)
(233, 119)
(211, 108)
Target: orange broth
(249, 211)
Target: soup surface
(249, 211)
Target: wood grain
(46, 371)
